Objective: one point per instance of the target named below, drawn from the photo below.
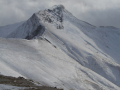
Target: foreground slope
(42, 62)
(94, 50)
(20, 83)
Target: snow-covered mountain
(62, 51)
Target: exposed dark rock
(38, 32)
(22, 82)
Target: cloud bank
(96, 12)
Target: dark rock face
(38, 32)
(53, 16)
(57, 13)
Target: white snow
(70, 54)
(42, 62)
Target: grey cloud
(108, 17)
(96, 12)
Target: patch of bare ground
(22, 82)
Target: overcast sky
(96, 12)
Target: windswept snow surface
(42, 62)
(67, 52)
(6, 30)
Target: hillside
(56, 49)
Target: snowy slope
(6, 30)
(42, 62)
(74, 54)
(29, 29)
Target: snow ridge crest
(53, 15)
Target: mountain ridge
(56, 34)
(53, 15)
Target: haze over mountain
(56, 49)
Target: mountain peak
(56, 9)
(53, 15)
(60, 7)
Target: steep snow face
(6, 30)
(33, 28)
(29, 30)
(40, 61)
(95, 48)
